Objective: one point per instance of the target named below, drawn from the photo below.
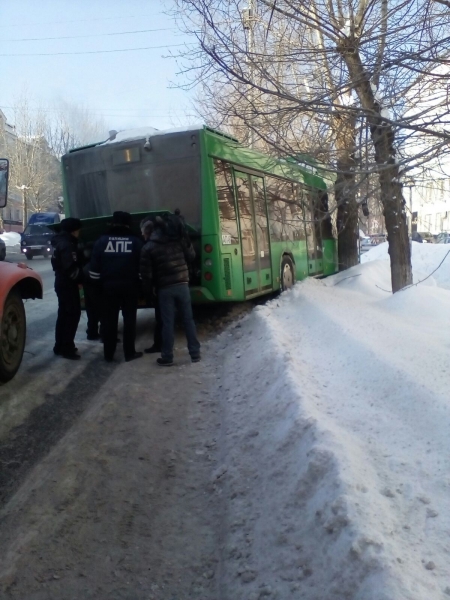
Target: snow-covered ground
(337, 458)
(11, 239)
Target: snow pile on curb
(11, 239)
(337, 423)
(425, 259)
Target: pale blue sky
(129, 89)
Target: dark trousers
(112, 303)
(157, 334)
(172, 298)
(69, 312)
(93, 304)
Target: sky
(128, 89)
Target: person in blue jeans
(164, 266)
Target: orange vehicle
(17, 283)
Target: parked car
(443, 238)
(36, 241)
(365, 244)
(427, 237)
(2, 250)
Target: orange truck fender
(17, 283)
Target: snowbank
(425, 259)
(338, 459)
(11, 239)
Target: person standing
(151, 297)
(115, 266)
(68, 274)
(164, 265)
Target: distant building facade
(11, 217)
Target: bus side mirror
(4, 173)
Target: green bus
(258, 223)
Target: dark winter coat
(115, 260)
(65, 260)
(164, 261)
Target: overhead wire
(94, 51)
(81, 20)
(73, 37)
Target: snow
(11, 238)
(425, 259)
(147, 132)
(338, 454)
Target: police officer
(68, 274)
(115, 266)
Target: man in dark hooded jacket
(115, 266)
(164, 265)
(68, 274)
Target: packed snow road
(307, 457)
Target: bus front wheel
(287, 273)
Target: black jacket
(65, 259)
(164, 261)
(115, 260)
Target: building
(427, 185)
(430, 205)
(11, 217)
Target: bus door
(254, 229)
(311, 230)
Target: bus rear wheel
(12, 336)
(287, 273)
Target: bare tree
(34, 170)
(304, 58)
(71, 126)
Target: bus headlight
(208, 262)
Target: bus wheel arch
(287, 271)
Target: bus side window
(285, 217)
(225, 199)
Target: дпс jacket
(115, 260)
(164, 261)
(65, 259)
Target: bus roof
(142, 133)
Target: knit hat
(121, 217)
(70, 224)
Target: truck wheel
(29, 256)
(12, 336)
(3, 255)
(287, 273)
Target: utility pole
(248, 20)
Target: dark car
(427, 237)
(2, 250)
(36, 241)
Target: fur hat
(70, 224)
(121, 217)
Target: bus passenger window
(225, 199)
(285, 211)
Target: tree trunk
(393, 207)
(382, 134)
(344, 127)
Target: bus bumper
(200, 294)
